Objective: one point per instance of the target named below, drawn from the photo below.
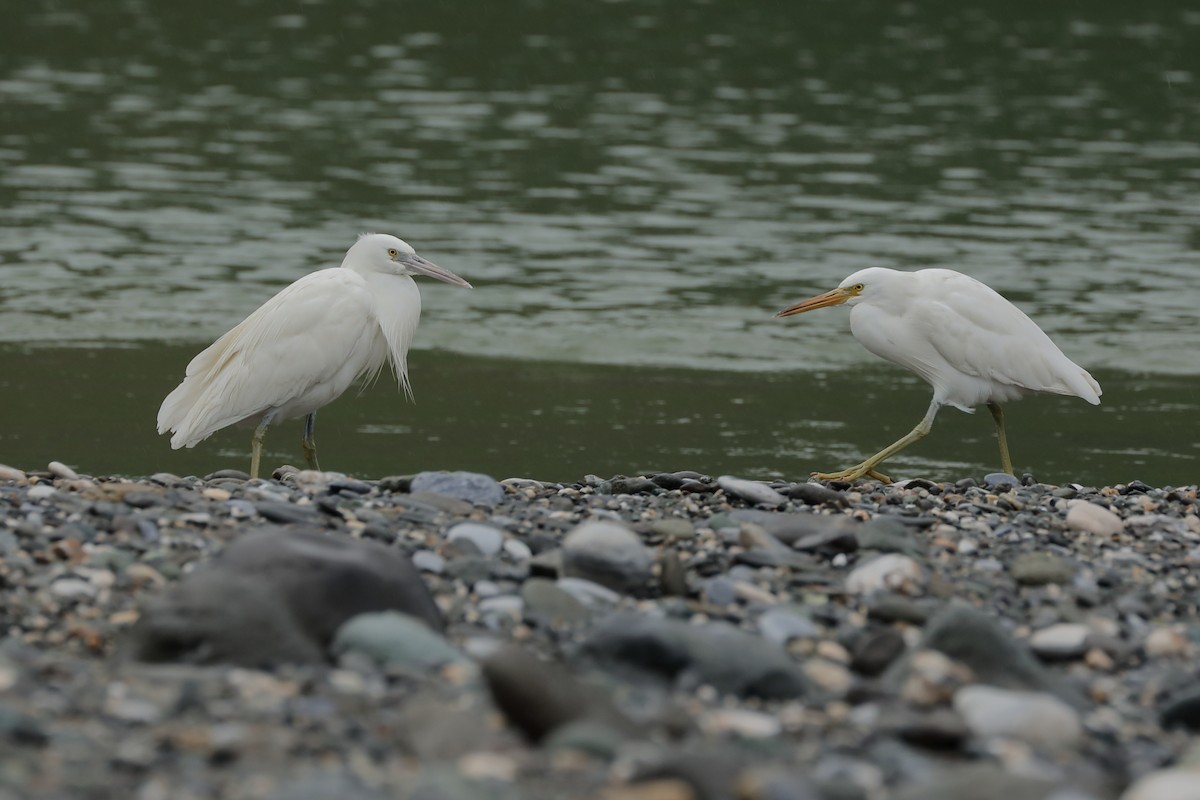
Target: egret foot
(853, 474)
(308, 445)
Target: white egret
(305, 346)
(967, 341)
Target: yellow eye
(858, 287)
(392, 252)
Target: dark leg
(310, 447)
(998, 415)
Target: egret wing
(310, 334)
(981, 334)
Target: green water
(633, 188)
(95, 408)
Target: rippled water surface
(633, 184)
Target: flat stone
(429, 561)
(73, 588)
(1040, 568)
(590, 593)
(781, 624)
(546, 603)
(1174, 783)
(673, 528)
(393, 639)
(814, 494)
(1091, 518)
(285, 512)
(1001, 481)
(718, 654)
(788, 527)
(751, 491)
(980, 782)
(486, 539)
(471, 487)
(1036, 718)
(1063, 641)
(40, 491)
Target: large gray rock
(277, 597)
(718, 654)
(472, 487)
(974, 638)
(608, 554)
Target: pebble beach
(672, 636)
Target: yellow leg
(998, 415)
(256, 444)
(867, 468)
(310, 446)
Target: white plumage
(305, 346)
(971, 345)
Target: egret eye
(392, 252)
(858, 287)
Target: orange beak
(831, 298)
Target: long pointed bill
(832, 298)
(422, 266)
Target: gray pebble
(472, 487)
(487, 540)
(751, 491)
(608, 554)
(391, 638)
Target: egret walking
(302, 348)
(967, 341)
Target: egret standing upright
(967, 341)
(305, 346)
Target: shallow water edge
(94, 409)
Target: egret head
(381, 252)
(860, 286)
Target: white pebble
(72, 588)
(1165, 642)
(1178, 783)
(517, 550)
(40, 491)
(8, 473)
(1064, 640)
(1089, 517)
(751, 491)
(1036, 718)
(741, 722)
(893, 572)
(61, 470)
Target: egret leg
(867, 468)
(310, 447)
(256, 444)
(998, 415)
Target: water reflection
(94, 408)
(626, 184)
